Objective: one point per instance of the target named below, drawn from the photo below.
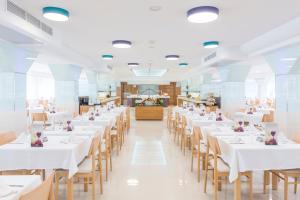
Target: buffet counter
(102, 101)
(149, 113)
(134, 100)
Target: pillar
(285, 63)
(66, 86)
(14, 64)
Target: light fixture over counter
(203, 14)
(107, 57)
(133, 64)
(211, 44)
(172, 57)
(183, 64)
(56, 14)
(121, 44)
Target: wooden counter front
(149, 113)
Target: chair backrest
(268, 117)
(213, 145)
(184, 122)
(39, 117)
(42, 192)
(197, 135)
(7, 137)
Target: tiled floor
(151, 167)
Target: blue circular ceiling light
(121, 44)
(211, 44)
(203, 14)
(133, 64)
(107, 57)
(172, 57)
(183, 64)
(56, 14)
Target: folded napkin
(5, 190)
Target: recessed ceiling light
(133, 64)
(121, 44)
(30, 58)
(107, 57)
(56, 14)
(288, 59)
(203, 14)
(211, 44)
(155, 8)
(183, 64)
(172, 57)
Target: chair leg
(216, 185)
(192, 162)
(250, 182)
(205, 176)
(94, 186)
(286, 186)
(86, 184)
(295, 184)
(110, 162)
(198, 167)
(106, 168)
(56, 185)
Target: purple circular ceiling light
(122, 44)
(203, 14)
(172, 57)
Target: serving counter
(149, 113)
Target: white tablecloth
(252, 155)
(90, 131)
(255, 118)
(27, 184)
(57, 153)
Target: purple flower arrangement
(92, 118)
(272, 140)
(250, 112)
(69, 126)
(36, 140)
(239, 128)
(97, 113)
(219, 118)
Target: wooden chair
(39, 117)
(219, 167)
(7, 137)
(177, 127)
(268, 117)
(106, 150)
(43, 192)
(127, 120)
(198, 150)
(185, 134)
(86, 169)
(170, 119)
(116, 135)
(286, 176)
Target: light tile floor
(152, 167)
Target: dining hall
(155, 99)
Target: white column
(66, 86)
(92, 88)
(287, 89)
(233, 87)
(13, 69)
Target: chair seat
(222, 166)
(202, 149)
(86, 166)
(295, 172)
(113, 133)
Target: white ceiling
(94, 24)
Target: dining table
(13, 186)
(59, 152)
(247, 151)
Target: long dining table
(246, 151)
(59, 152)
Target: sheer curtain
(40, 83)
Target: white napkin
(5, 190)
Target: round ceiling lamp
(56, 14)
(107, 57)
(203, 14)
(133, 64)
(172, 57)
(121, 44)
(211, 44)
(183, 64)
